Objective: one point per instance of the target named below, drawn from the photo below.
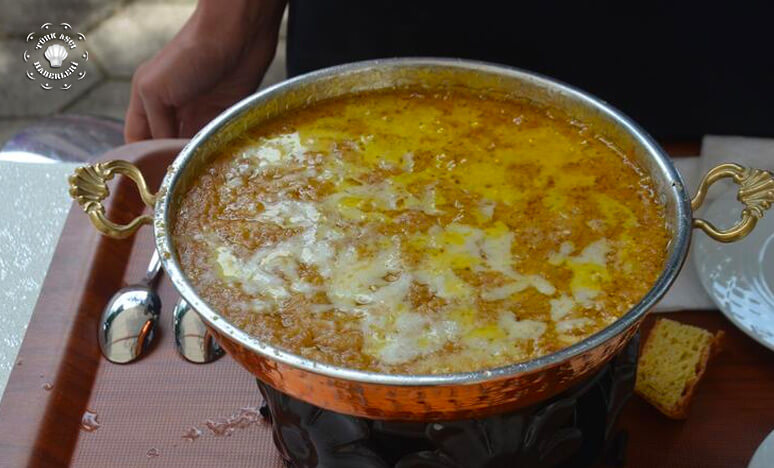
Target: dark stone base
(574, 429)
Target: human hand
(218, 57)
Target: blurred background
(120, 35)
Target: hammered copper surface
(430, 402)
(456, 395)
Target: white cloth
(32, 213)
(687, 292)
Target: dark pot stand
(573, 429)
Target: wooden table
(732, 411)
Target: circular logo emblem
(55, 56)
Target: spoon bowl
(129, 321)
(192, 339)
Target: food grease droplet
(226, 426)
(90, 421)
(153, 452)
(47, 386)
(192, 433)
(219, 427)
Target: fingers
(161, 118)
(200, 112)
(192, 72)
(136, 127)
(148, 116)
(192, 119)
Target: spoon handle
(153, 269)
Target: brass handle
(88, 186)
(756, 192)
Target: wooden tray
(147, 407)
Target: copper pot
(424, 397)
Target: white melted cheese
(444, 283)
(272, 271)
(486, 210)
(363, 202)
(566, 326)
(594, 253)
(559, 257)
(462, 246)
(260, 275)
(521, 329)
(413, 335)
(589, 269)
(541, 284)
(497, 249)
(584, 296)
(561, 307)
(519, 283)
(290, 214)
(276, 151)
(504, 292)
(356, 282)
(374, 288)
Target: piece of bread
(672, 363)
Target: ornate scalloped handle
(756, 192)
(88, 186)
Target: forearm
(239, 20)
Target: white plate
(739, 277)
(764, 456)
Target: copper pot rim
(680, 241)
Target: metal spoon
(130, 319)
(192, 338)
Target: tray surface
(145, 409)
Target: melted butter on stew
(421, 233)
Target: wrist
(237, 19)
